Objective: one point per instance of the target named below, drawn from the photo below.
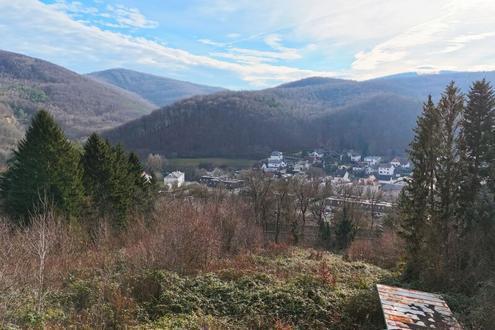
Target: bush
(384, 251)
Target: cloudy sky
(245, 44)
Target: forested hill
(158, 90)
(341, 114)
(80, 104)
(373, 116)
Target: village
(370, 173)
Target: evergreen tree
(97, 164)
(418, 198)
(121, 187)
(476, 145)
(114, 181)
(345, 229)
(44, 166)
(448, 173)
(143, 188)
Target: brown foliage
(384, 250)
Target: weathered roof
(411, 309)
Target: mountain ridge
(155, 89)
(81, 105)
(372, 116)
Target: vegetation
(447, 208)
(190, 280)
(45, 166)
(81, 105)
(156, 90)
(372, 117)
(210, 162)
(48, 169)
(86, 243)
(252, 124)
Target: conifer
(44, 168)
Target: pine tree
(475, 144)
(444, 233)
(143, 189)
(345, 229)
(121, 187)
(418, 199)
(44, 166)
(97, 164)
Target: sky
(246, 44)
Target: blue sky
(254, 44)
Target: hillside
(157, 90)
(374, 116)
(80, 104)
(421, 85)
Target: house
(276, 156)
(301, 166)
(174, 180)
(370, 170)
(386, 169)
(274, 165)
(316, 155)
(354, 156)
(400, 162)
(396, 162)
(275, 162)
(372, 160)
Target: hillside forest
(86, 239)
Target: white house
(355, 157)
(275, 162)
(316, 155)
(276, 156)
(372, 160)
(174, 179)
(386, 169)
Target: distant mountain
(80, 104)
(374, 116)
(157, 90)
(421, 85)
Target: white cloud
(462, 38)
(38, 25)
(386, 37)
(277, 53)
(130, 17)
(117, 16)
(362, 38)
(209, 42)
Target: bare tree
(374, 196)
(259, 190)
(41, 238)
(304, 192)
(319, 201)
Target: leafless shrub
(385, 251)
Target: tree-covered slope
(374, 116)
(80, 104)
(160, 91)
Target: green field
(217, 162)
